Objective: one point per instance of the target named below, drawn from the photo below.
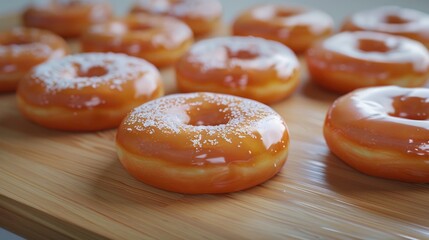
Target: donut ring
(352, 60)
(203, 143)
(395, 20)
(294, 27)
(249, 67)
(202, 16)
(67, 18)
(382, 131)
(23, 48)
(158, 39)
(87, 92)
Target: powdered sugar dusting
(37, 44)
(247, 119)
(213, 54)
(34, 49)
(63, 74)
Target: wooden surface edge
(31, 223)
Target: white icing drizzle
(246, 118)
(374, 20)
(213, 54)
(182, 8)
(402, 50)
(63, 74)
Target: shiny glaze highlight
(351, 60)
(294, 27)
(395, 20)
(67, 18)
(84, 87)
(390, 124)
(23, 48)
(160, 40)
(244, 66)
(205, 131)
(202, 16)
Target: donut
(203, 143)
(255, 68)
(67, 18)
(23, 48)
(392, 20)
(87, 92)
(202, 16)
(160, 40)
(352, 60)
(297, 28)
(382, 132)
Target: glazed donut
(67, 18)
(382, 131)
(203, 143)
(294, 27)
(249, 67)
(158, 39)
(352, 60)
(87, 92)
(202, 16)
(23, 48)
(393, 20)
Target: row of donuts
(48, 95)
(227, 143)
(341, 63)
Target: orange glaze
(393, 20)
(158, 39)
(87, 92)
(295, 27)
(67, 18)
(23, 48)
(382, 131)
(352, 60)
(202, 16)
(203, 143)
(249, 67)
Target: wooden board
(62, 185)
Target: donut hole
(96, 71)
(372, 45)
(395, 19)
(414, 108)
(209, 115)
(241, 54)
(284, 13)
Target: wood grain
(63, 185)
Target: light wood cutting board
(59, 185)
